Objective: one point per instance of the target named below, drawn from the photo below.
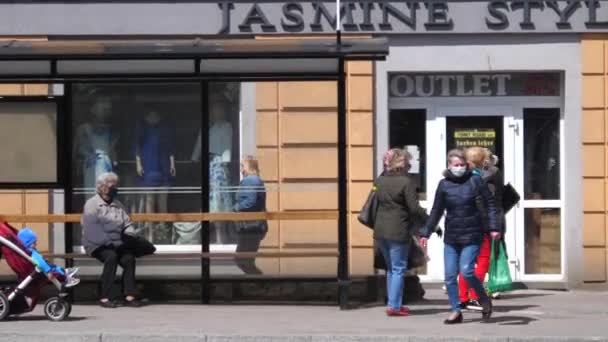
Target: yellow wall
(594, 149)
(297, 148)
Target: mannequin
(155, 163)
(95, 143)
(220, 153)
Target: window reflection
(408, 131)
(132, 129)
(541, 154)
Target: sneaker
(445, 289)
(474, 305)
(400, 312)
(71, 282)
(496, 295)
(405, 309)
(70, 272)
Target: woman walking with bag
(397, 206)
(457, 195)
(483, 163)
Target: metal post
(205, 262)
(68, 159)
(343, 272)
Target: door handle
(515, 127)
(515, 263)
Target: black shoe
(487, 308)
(108, 304)
(474, 305)
(135, 303)
(455, 320)
(463, 305)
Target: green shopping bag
(500, 275)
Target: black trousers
(112, 257)
(248, 242)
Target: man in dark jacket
(457, 195)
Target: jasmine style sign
(408, 16)
(253, 17)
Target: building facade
(527, 79)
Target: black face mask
(112, 193)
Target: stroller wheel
(57, 309)
(4, 306)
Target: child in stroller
(31, 278)
(29, 240)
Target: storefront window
(146, 133)
(408, 131)
(541, 154)
(29, 157)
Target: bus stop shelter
(252, 60)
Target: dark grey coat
(398, 207)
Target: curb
(129, 337)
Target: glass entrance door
(527, 142)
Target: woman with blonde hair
(483, 163)
(457, 196)
(397, 207)
(251, 197)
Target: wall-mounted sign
(474, 84)
(211, 17)
(483, 137)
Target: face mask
(113, 193)
(458, 171)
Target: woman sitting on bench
(104, 222)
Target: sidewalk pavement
(519, 316)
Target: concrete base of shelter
(323, 291)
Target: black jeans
(248, 242)
(112, 257)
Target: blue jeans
(395, 256)
(461, 258)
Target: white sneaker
(445, 289)
(71, 282)
(70, 272)
(496, 295)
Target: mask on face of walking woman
(458, 171)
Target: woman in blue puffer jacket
(457, 195)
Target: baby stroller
(23, 297)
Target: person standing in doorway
(482, 163)
(397, 206)
(457, 195)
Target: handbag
(500, 275)
(367, 216)
(257, 226)
(138, 245)
(417, 256)
(510, 198)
